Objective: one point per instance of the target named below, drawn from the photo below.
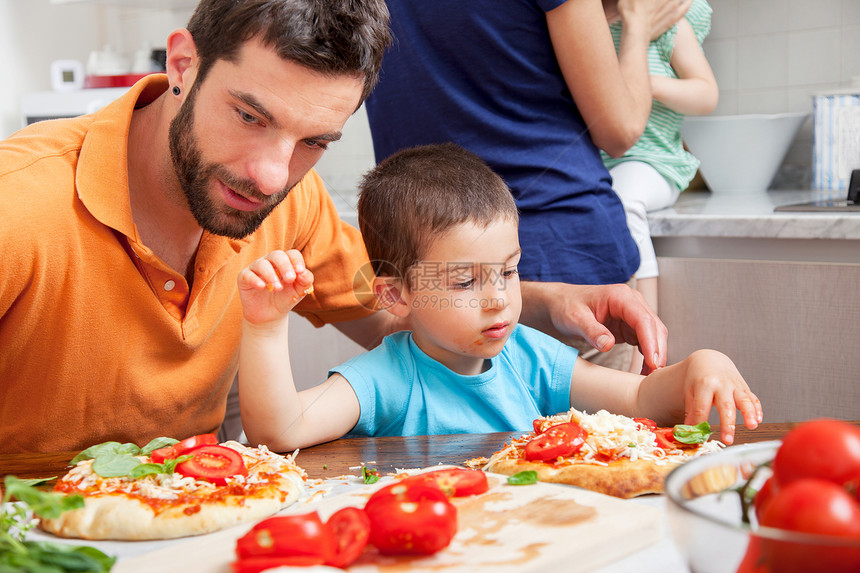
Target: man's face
(247, 134)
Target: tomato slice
(349, 529)
(410, 518)
(214, 464)
(647, 422)
(181, 448)
(561, 440)
(288, 536)
(456, 482)
(189, 444)
(160, 455)
(666, 438)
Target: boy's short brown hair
(419, 193)
(328, 36)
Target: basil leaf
(692, 434)
(156, 444)
(42, 503)
(170, 465)
(144, 470)
(370, 475)
(114, 465)
(105, 448)
(527, 477)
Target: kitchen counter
(745, 226)
(703, 214)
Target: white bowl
(705, 518)
(741, 153)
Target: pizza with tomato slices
(170, 489)
(616, 455)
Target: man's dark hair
(332, 37)
(417, 194)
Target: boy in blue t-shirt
(441, 231)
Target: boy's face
(250, 132)
(464, 295)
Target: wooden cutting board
(541, 527)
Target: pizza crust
(620, 478)
(121, 517)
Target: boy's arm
(681, 393)
(695, 91)
(273, 412)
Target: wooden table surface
(343, 456)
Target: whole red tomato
(824, 448)
(813, 506)
(410, 518)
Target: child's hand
(271, 286)
(712, 380)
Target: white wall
(771, 56)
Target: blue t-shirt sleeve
(382, 385)
(546, 365)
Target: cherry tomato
(257, 564)
(410, 518)
(560, 440)
(349, 529)
(455, 482)
(764, 495)
(288, 536)
(816, 506)
(823, 448)
(213, 464)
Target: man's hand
(601, 314)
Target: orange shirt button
(169, 286)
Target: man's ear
(389, 293)
(181, 59)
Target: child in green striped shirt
(652, 173)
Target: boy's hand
(271, 286)
(712, 380)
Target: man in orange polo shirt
(123, 231)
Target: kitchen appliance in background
(39, 106)
(835, 138)
(850, 203)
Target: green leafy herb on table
(527, 477)
(16, 520)
(370, 475)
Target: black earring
(176, 90)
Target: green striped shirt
(660, 144)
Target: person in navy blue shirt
(533, 87)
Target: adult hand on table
(601, 314)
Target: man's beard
(196, 177)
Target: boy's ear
(389, 293)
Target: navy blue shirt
(483, 74)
